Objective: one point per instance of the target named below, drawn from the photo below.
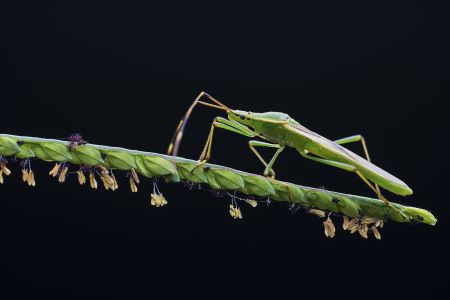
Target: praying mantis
(279, 130)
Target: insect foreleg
(178, 135)
(358, 138)
(269, 166)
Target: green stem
(174, 169)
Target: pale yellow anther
(362, 229)
(25, 175)
(135, 176)
(62, 175)
(115, 184)
(252, 202)
(133, 185)
(92, 181)
(31, 181)
(5, 169)
(53, 172)
(235, 212)
(329, 228)
(376, 232)
(317, 212)
(81, 177)
(346, 223)
(105, 183)
(157, 200)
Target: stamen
(362, 229)
(346, 223)
(54, 172)
(62, 175)
(317, 212)
(133, 185)
(81, 177)
(157, 200)
(115, 184)
(252, 202)
(31, 181)
(25, 175)
(135, 176)
(5, 169)
(376, 232)
(330, 230)
(235, 212)
(92, 180)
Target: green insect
(281, 131)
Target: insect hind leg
(353, 169)
(362, 140)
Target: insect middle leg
(252, 144)
(224, 124)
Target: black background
(123, 74)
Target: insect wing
(338, 149)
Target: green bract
(8, 146)
(120, 160)
(86, 155)
(227, 180)
(25, 152)
(258, 185)
(189, 172)
(51, 151)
